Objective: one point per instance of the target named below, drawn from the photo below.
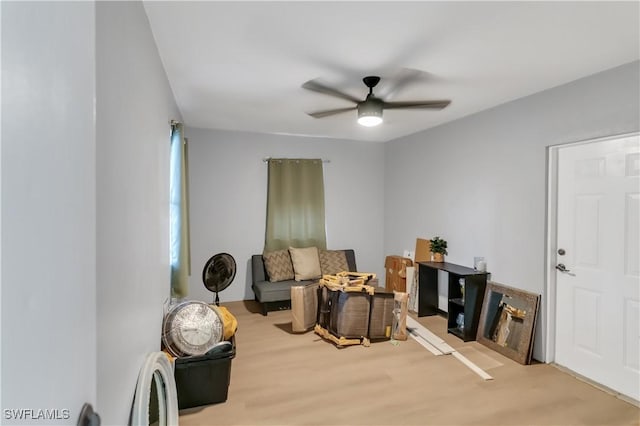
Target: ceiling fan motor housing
(371, 107)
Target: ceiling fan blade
(402, 78)
(416, 104)
(316, 86)
(326, 113)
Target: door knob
(560, 267)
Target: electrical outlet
(409, 253)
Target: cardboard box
(304, 307)
(396, 273)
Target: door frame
(551, 237)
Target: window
(295, 204)
(179, 214)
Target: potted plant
(438, 248)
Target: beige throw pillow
(278, 265)
(333, 261)
(306, 263)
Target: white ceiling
(240, 65)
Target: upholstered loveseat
(278, 292)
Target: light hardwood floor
(281, 378)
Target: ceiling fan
(370, 109)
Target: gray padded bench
(268, 293)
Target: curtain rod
(266, 159)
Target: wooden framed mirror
(508, 320)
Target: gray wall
(228, 189)
(48, 208)
(134, 106)
(480, 182)
(85, 145)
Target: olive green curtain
(295, 204)
(179, 214)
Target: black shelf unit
(470, 306)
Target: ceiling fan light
(369, 120)
(370, 113)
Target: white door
(598, 237)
